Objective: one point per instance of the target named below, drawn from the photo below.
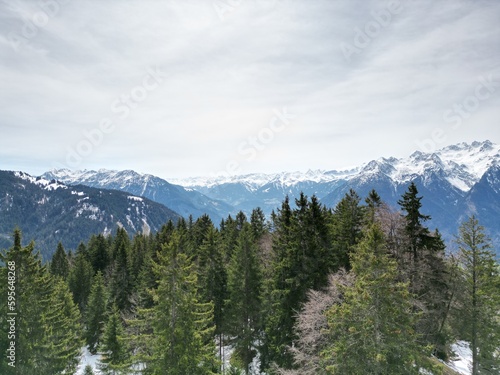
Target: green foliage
(212, 279)
(182, 340)
(302, 259)
(59, 266)
(479, 299)
(251, 283)
(346, 227)
(244, 303)
(88, 370)
(47, 321)
(371, 331)
(95, 315)
(120, 283)
(114, 355)
(80, 280)
(425, 269)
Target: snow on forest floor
(463, 361)
(88, 359)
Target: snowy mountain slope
(455, 181)
(462, 165)
(184, 201)
(49, 211)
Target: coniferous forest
(359, 289)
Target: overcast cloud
(187, 88)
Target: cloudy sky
(185, 88)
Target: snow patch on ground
(133, 198)
(88, 359)
(462, 363)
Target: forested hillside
(49, 212)
(357, 289)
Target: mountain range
(182, 200)
(48, 212)
(455, 181)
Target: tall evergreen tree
(99, 253)
(479, 301)
(62, 331)
(373, 204)
(426, 271)
(47, 323)
(59, 266)
(258, 222)
(244, 288)
(212, 280)
(302, 260)
(80, 281)
(182, 342)
(114, 358)
(346, 227)
(372, 329)
(418, 235)
(120, 285)
(95, 316)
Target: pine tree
(182, 340)
(99, 253)
(258, 222)
(80, 281)
(95, 316)
(302, 260)
(120, 285)
(59, 266)
(418, 235)
(426, 271)
(244, 288)
(371, 331)
(373, 205)
(88, 370)
(47, 322)
(346, 227)
(212, 279)
(113, 349)
(479, 300)
(63, 331)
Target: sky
(183, 88)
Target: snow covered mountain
(462, 166)
(455, 181)
(49, 211)
(184, 201)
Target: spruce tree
(258, 222)
(88, 370)
(212, 279)
(59, 266)
(47, 337)
(371, 330)
(479, 301)
(99, 253)
(120, 285)
(80, 281)
(63, 333)
(95, 316)
(424, 267)
(113, 350)
(244, 302)
(302, 259)
(346, 227)
(182, 341)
